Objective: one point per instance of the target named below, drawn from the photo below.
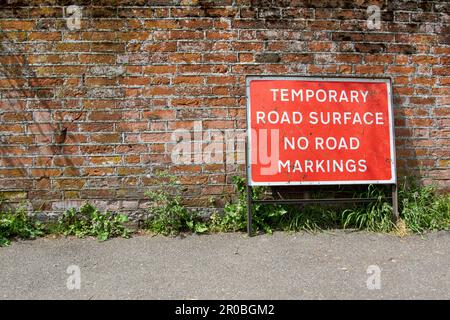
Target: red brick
(320, 46)
(16, 25)
(220, 57)
(127, 171)
(225, 80)
(135, 81)
(425, 81)
(441, 71)
(159, 69)
(400, 70)
(98, 171)
(46, 172)
(218, 124)
(159, 114)
(105, 138)
(107, 47)
(184, 57)
(105, 116)
(246, 57)
(133, 159)
(97, 58)
(13, 116)
(10, 128)
(424, 59)
(195, 24)
(159, 91)
(44, 36)
(72, 47)
(97, 149)
(13, 173)
(187, 80)
(369, 69)
(349, 58)
(379, 59)
(160, 24)
(221, 35)
(182, 34)
(422, 101)
(100, 81)
(161, 47)
(441, 112)
(155, 137)
(68, 184)
(298, 58)
(420, 122)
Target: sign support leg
(249, 193)
(395, 214)
(249, 210)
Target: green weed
(422, 208)
(265, 217)
(167, 215)
(89, 221)
(375, 216)
(17, 223)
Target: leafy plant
(265, 217)
(17, 223)
(89, 221)
(167, 215)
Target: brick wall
(87, 112)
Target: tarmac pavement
(328, 265)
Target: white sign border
(387, 81)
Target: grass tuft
(421, 209)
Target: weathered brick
(105, 116)
(267, 58)
(401, 70)
(13, 173)
(369, 69)
(159, 69)
(184, 57)
(68, 184)
(187, 80)
(17, 24)
(105, 138)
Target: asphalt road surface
(331, 265)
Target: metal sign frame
(249, 183)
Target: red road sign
(319, 131)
